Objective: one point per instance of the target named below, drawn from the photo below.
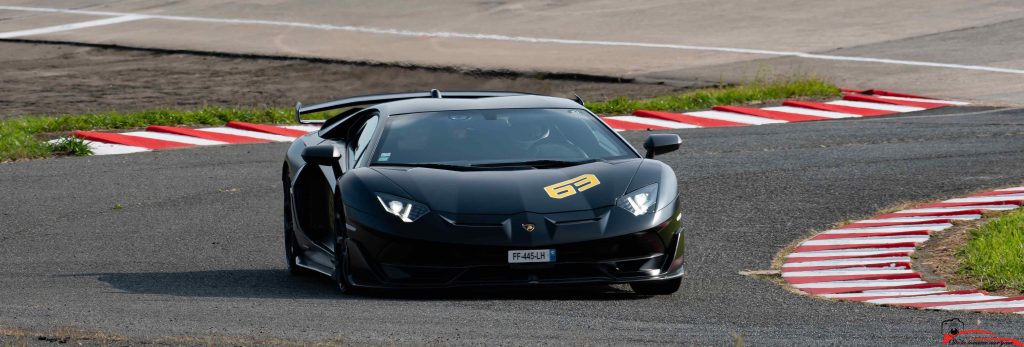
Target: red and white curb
(165, 137)
(869, 260)
(854, 104)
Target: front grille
(422, 253)
(416, 262)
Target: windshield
(481, 137)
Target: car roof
(452, 104)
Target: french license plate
(532, 256)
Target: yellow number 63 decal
(569, 187)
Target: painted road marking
(986, 305)
(686, 119)
(929, 214)
(872, 98)
(936, 299)
(72, 26)
(176, 138)
(1009, 201)
(734, 117)
(263, 128)
(919, 219)
(860, 111)
(204, 134)
(876, 106)
(101, 148)
(850, 272)
(892, 224)
(812, 112)
(936, 101)
(621, 125)
(885, 292)
(890, 229)
(852, 262)
(757, 112)
(653, 121)
(1000, 192)
(859, 284)
(961, 208)
(870, 240)
(824, 236)
(129, 140)
(247, 133)
(525, 39)
(992, 198)
(852, 252)
(306, 128)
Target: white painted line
(654, 121)
(860, 284)
(256, 134)
(851, 252)
(101, 148)
(852, 262)
(961, 208)
(934, 101)
(849, 272)
(175, 138)
(890, 229)
(872, 240)
(734, 117)
(983, 305)
(524, 39)
(1011, 189)
(936, 298)
(876, 106)
(306, 128)
(886, 292)
(989, 198)
(72, 26)
(812, 112)
(919, 219)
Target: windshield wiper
(429, 166)
(538, 163)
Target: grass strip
(24, 137)
(758, 90)
(994, 254)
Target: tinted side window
(363, 137)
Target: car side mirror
(322, 154)
(661, 144)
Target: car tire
(661, 287)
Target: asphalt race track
(196, 248)
(963, 49)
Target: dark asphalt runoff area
(196, 248)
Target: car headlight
(405, 209)
(639, 202)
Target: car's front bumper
(384, 260)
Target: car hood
(514, 191)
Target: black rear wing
(382, 98)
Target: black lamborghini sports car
(455, 189)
